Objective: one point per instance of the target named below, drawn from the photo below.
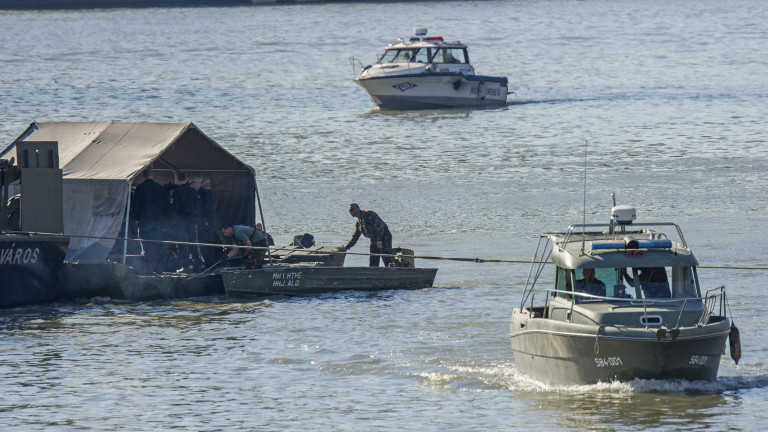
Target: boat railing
(355, 63)
(618, 230)
(539, 262)
(712, 298)
(413, 67)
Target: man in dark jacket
(184, 211)
(150, 208)
(370, 225)
(205, 221)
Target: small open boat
(316, 270)
(429, 72)
(624, 303)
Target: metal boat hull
(29, 269)
(298, 280)
(446, 90)
(119, 281)
(568, 354)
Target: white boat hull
(446, 90)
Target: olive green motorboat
(624, 303)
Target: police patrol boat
(429, 72)
(625, 303)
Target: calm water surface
(667, 99)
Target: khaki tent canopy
(101, 160)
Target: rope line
(279, 248)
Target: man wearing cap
(370, 225)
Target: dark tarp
(102, 160)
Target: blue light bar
(641, 244)
(608, 245)
(654, 244)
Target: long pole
(127, 219)
(261, 215)
(584, 203)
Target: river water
(664, 102)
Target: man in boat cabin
(243, 235)
(589, 284)
(370, 225)
(653, 281)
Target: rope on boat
(285, 248)
(597, 338)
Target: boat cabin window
(661, 282)
(450, 55)
(405, 55)
(596, 282)
(629, 283)
(562, 283)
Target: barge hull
(297, 281)
(29, 269)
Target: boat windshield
(631, 283)
(425, 55)
(405, 55)
(450, 55)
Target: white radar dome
(623, 215)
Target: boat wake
(506, 377)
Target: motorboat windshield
(629, 283)
(456, 55)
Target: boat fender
(735, 343)
(457, 84)
(481, 90)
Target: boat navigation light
(623, 215)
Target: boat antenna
(612, 222)
(584, 204)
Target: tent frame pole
(127, 219)
(261, 215)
